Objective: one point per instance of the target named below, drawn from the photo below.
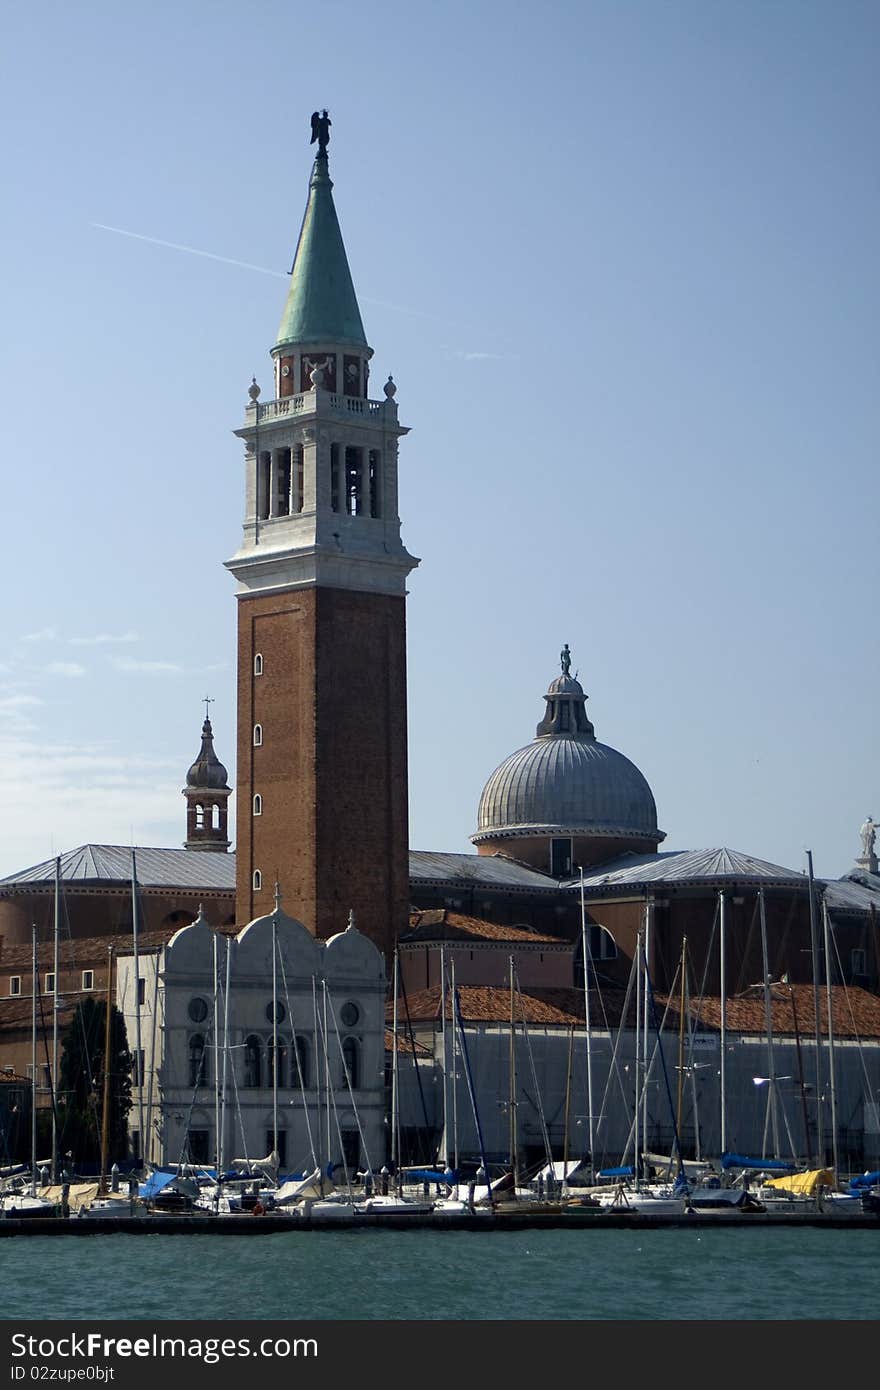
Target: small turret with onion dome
(207, 792)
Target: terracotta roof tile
(441, 924)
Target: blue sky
(621, 259)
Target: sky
(621, 259)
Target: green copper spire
(321, 304)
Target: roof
(156, 868)
(490, 870)
(485, 1004)
(321, 303)
(565, 782)
(855, 1012)
(441, 924)
(84, 950)
(410, 1046)
(688, 866)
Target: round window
(276, 1012)
(349, 1014)
(198, 1010)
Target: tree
(82, 1084)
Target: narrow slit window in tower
(264, 471)
(258, 805)
(258, 735)
(296, 478)
(375, 482)
(354, 480)
(282, 482)
(258, 664)
(257, 880)
(335, 469)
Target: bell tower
(321, 571)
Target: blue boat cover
(428, 1175)
(865, 1180)
(775, 1165)
(626, 1172)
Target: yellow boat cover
(804, 1184)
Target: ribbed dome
(207, 772)
(567, 783)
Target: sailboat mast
(637, 1098)
(681, 1022)
(105, 1113)
(275, 1022)
(221, 1148)
(147, 1140)
(585, 951)
(445, 1057)
(139, 1067)
(216, 1059)
(454, 1075)
(34, 1060)
(768, 1022)
(56, 977)
(395, 1100)
(817, 1026)
(511, 1099)
(800, 1067)
(831, 1076)
(649, 914)
(722, 971)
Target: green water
(755, 1274)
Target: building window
(351, 1055)
(199, 1143)
(198, 1062)
(142, 991)
(350, 1013)
(197, 1010)
(138, 1068)
(252, 1059)
(282, 1145)
(50, 983)
(258, 880)
(258, 735)
(300, 1070)
(375, 483)
(264, 474)
(602, 944)
(282, 1063)
(258, 805)
(258, 664)
(88, 979)
(15, 984)
(560, 858)
(200, 816)
(858, 962)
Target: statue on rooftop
(868, 834)
(321, 131)
(565, 660)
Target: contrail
(193, 250)
(263, 270)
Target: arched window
(302, 1056)
(258, 880)
(282, 1063)
(253, 1052)
(200, 816)
(351, 1055)
(258, 664)
(198, 1061)
(258, 805)
(258, 735)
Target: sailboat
(18, 1195)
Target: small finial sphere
(390, 389)
(254, 391)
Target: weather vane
(209, 700)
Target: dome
(207, 772)
(566, 783)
